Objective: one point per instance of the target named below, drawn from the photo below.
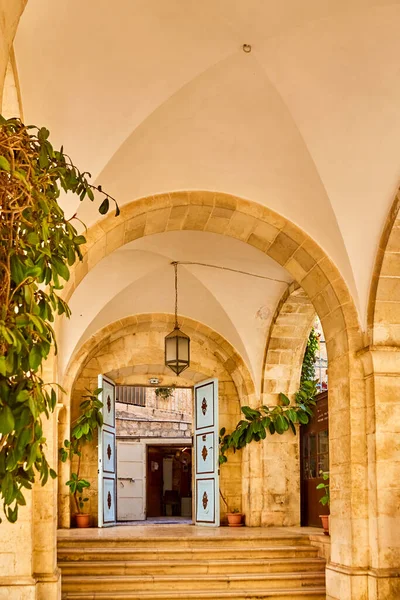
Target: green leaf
(104, 206)
(60, 267)
(22, 396)
(43, 158)
(284, 399)
(79, 239)
(292, 414)
(43, 134)
(33, 238)
(7, 421)
(35, 357)
(303, 418)
(4, 164)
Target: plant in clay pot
(325, 500)
(84, 427)
(235, 518)
(76, 486)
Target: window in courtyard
(131, 394)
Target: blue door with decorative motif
(206, 479)
(106, 455)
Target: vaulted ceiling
(154, 96)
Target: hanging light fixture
(177, 343)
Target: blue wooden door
(206, 479)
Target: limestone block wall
(271, 470)
(166, 418)
(130, 356)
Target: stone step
(254, 581)
(317, 593)
(82, 553)
(171, 542)
(198, 567)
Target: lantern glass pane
(183, 349)
(170, 349)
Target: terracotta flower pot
(234, 519)
(325, 523)
(82, 520)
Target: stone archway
(286, 343)
(314, 271)
(130, 351)
(278, 484)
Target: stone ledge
(323, 543)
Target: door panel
(314, 445)
(130, 481)
(206, 453)
(155, 478)
(106, 455)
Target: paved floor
(183, 531)
(156, 521)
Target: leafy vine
(38, 245)
(269, 419)
(308, 367)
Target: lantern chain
(176, 294)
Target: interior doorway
(314, 446)
(154, 480)
(169, 482)
(153, 477)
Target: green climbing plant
(38, 246)
(310, 355)
(89, 420)
(260, 422)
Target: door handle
(126, 479)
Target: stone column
(44, 517)
(44, 523)
(382, 374)
(16, 556)
(347, 571)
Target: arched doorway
(108, 352)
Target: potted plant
(235, 518)
(87, 423)
(164, 392)
(325, 500)
(77, 485)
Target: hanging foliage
(310, 356)
(164, 392)
(269, 420)
(37, 248)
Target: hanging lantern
(177, 343)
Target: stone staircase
(193, 568)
